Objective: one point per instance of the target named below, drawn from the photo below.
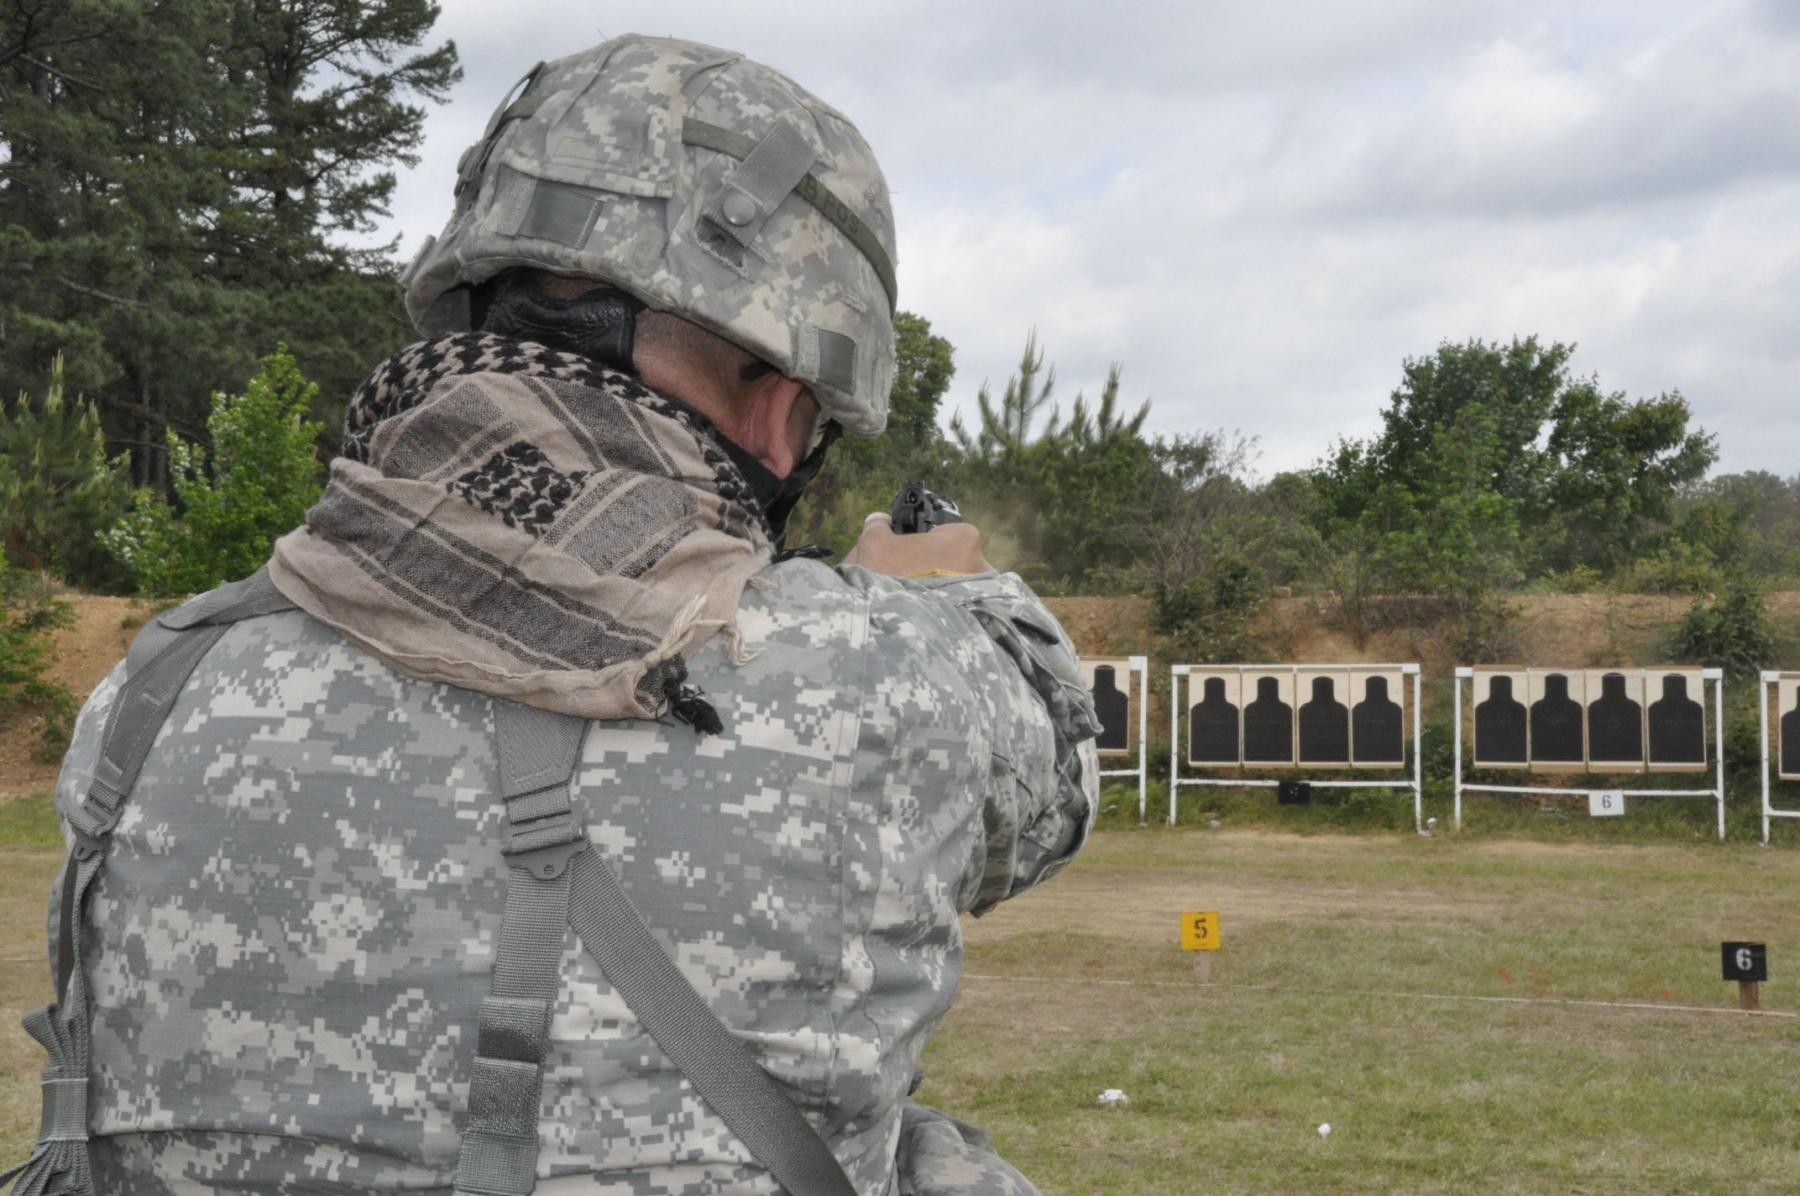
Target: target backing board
(1268, 706)
(1502, 720)
(1675, 719)
(1323, 717)
(1615, 720)
(1110, 681)
(1787, 726)
(1558, 734)
(1215, 730)
(1377, 719)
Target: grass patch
(1356, 987)
(29, 823)
(1413, 992)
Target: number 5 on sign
(1200, 931)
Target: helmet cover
(705, 185)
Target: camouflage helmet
(701, 183)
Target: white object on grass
(1325, 1130)
(1114, 1096)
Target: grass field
(1471, 1015)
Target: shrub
(1209, 618)
(58, 488)
(1729, 630)
(29, 612)
(255, 486)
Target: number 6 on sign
(1200, 931)
(1606, 803)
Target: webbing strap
(714, 1060)
(762, 181)
(701, 135)
(158, 665)
(537, 753)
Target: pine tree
(176, 180)
(58, 488)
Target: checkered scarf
(530, 524)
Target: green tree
(863, 474)
(1056, 496)
(1543, 468)
(261, 477)
(58, 488)
(175, 182)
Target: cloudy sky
(1260, 208)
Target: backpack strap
(537, 753)
(158, 665)
(555, 882)
(714, 1060)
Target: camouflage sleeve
(1045, 784)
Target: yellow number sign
(1200, 931)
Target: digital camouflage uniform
(296, 924)
(296, 921)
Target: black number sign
(1745, 961)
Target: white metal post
(1142, 665)
(1418, 753)
(1175, 672)
(1762, 744)
(1717, 677)
(1462, 672)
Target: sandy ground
(82, 656)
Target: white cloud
(1261, 209)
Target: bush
(1729, 630)
(29, 612)
(1209, 618)
(260, 478)
(58, 488)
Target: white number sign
(1606, 803)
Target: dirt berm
(1555, 629)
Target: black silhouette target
(1677, 720)
(1616, 721)
(1214, 730)
(1112, 703)
(1377, 735)
(1325, 720)
(1268, 721)
(1788, 728)
(1557, 733)
(1500, 721)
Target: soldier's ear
(780, 417)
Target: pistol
(917, 509)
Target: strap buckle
(544, 846)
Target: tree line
(183, 325)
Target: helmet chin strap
(601, 324)
(794, 485)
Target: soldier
(364, 849)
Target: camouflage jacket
(295, 925)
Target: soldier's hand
(949, 548)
